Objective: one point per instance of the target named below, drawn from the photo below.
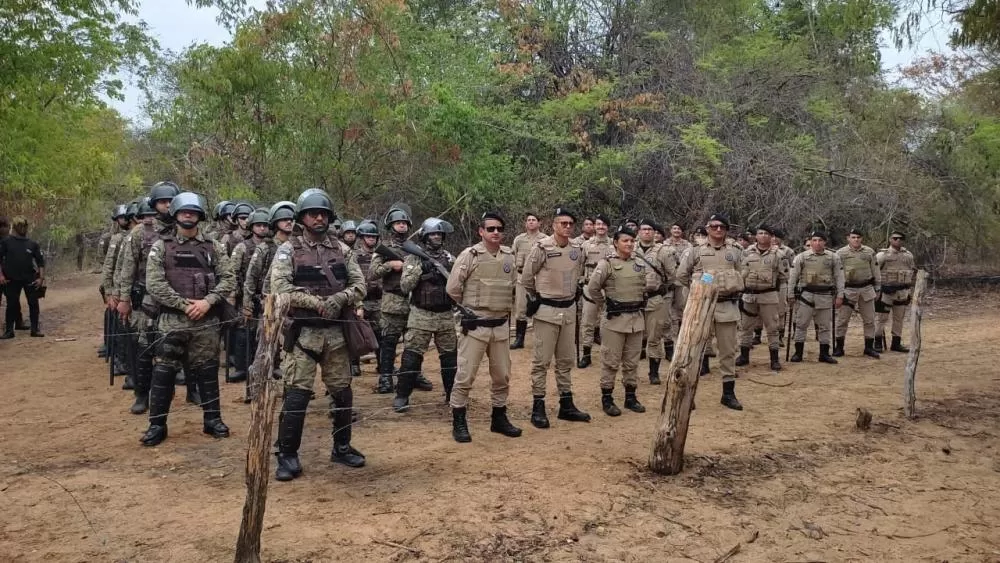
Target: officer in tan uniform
(679, 245)
(482, 280)
(587, 231)
(662, 261)
(723, 260)
(550, 278)
(787, 255)
(593, 251)
(818, 281)
(523, 243)
(620, 284)
(862, 282)
(764, 275)
(898, 270)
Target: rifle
(468, 315)
(112, 325)
(387, 253)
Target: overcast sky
(177, 25)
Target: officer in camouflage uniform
(242, 339)
(371, 306)
(594, 250)
(523, 243)
(620, 284)
(322, 277)
(190, 278)
(241, 230)
(764, 275)
(818, 281)
(663, 262)
(899, 271)
(430, 313)
(226, 222)
(551, 275)
(862, 282)
(349, 233)
(723, 259)
(108, 288)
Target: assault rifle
(470, 320)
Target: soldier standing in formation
(620, 284)
(242, 338)
(523, 243)
(187, 275)
(663, 263)
(430, 313)
(349, 233)
(898, 271)
(862, 282)
(370, 310)
(596, 248)
(723, 260)
(241, 231)
(587, 231)
(551, 273)
(679, 245)
(788, 256)
(818, 280)
(764, 276)
(109, 290)
(321, 276)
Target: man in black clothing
(22, 267)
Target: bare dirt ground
(788, 479)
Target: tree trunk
(667, 456)
(910, 375)
(265, 393)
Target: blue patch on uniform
(730, 257)
(637, 267)
(574, 254)
(506, 267)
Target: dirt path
(789, 473)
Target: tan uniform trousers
(558, 342)
(520, 302)
(494, 343)
(323, 347)
(864, 308)
(725, 339)
(620, 350)
(768, 316)
(657, 322)
(589, 320)
(898, 314)
(806, 315)
(677, 305)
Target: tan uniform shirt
(608, 269)
(862, 277)
(818, 270)
(523, 243)
(552, 272)
(898, 270)
(663, 259)
(764, 271)
(483, 281)
(725, 264)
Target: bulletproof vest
(594, 250)
(189, 266)
(321, 270)
(390, 283)
(858, 264)
(374, 287)
(270, 249)
(897, 267)
(759, 268)
(150, 234)
(249, 245)
(490, 284)
(627, 281)
(557, 278)
(430, 292)
(721, 263)
(235, 237)
(817, 270)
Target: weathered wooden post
(667, 456)
(265, 394)
(910, 375)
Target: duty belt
(557, 303)
(819, 289)
(759, 291)
(859, 285)
(744, 310)
(662, 291)
(434, 308)
(615, 308)
(723, 298)
(895, 288)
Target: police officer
(787, 255)
(22, 268)
(241, 230)
(322, 277)
(661, 260)
(241, 338)
(818, 278)
(862, 282)
(679, 244)
(551, 273)
(898, 270)
(587, 231)
(107, 288)
(189, 277)
(523, 243)
(370, 307)
(764, 275)
(723, 260)
(430, 313)
(594, 249)
(620, 284)
(349, 233)
(482, 280)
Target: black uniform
(20, 260)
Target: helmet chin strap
(187, 224)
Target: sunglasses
(716, 227)
(493, 229)
(565, 223)
(896, 238)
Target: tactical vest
(321, 270)
(374, 286)
(235, 237)
(430, 293)
(627, 282)
(817, 272)
(249, 245)
(490, 285)
(594, 250)
(897, 268)
(721, 263)
(390, 283)
(149, 235)
(270, 249)
(760, 269)
(557, 279)
(858, 266)
(189, 266)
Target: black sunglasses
(493, 229)
(896, 238)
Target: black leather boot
(704, 366)
(208, 385)
(608, 403)
(669, 351)
(538, 417)
(409, 367)
(238, 341)
(729, 396)
(824, 354)
(584, 361)
(597, 335)
(897, 345)
(654, 371)
(421, 383)
(160, 394)
(870, 349)
(797, 355)
(756, 337)
(193, 396)
(500, 424)
(449, 367)
(744, 357)
(879, 344)
(143, 381)
(386, 362)
(459, 426)
(8, 333)
(775, 363)
(343, 453)
(642, 353)
(568, 411)
(290, 424)
(838, 346)
(520, 329)
(631, 401)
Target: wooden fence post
(910, 375)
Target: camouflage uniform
(112, 261)
(373, 296)
(241, 339)
(395, 308)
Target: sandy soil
(788, 479)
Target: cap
(720, 218)
(818, 234)
(564, 212)
(767, 229)
(899, 234)
(623, 230)
(602, 218)
(659, 228)
(777, 232)
(856, 231)
(494, 215)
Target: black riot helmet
(242, 209)
(163, 190)
(433, 225)
(217, 213)
(367, 228)
(188, 201)
(279, 211)
(145, 208)
(120, 211)
(314, 199)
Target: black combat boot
(8, 333)
(797, 355)
(870, 349)
(208, 384)
(449, 367)
(775, 364)
(879, 344)
(642, 353)
(459, 426)
(239, 344)
(654, 371)
(781, 338)
(824, 354)
(704, 366)
(290, 423)
(538, 416)
(584, 361)
(193, 396)
(669, 350)
(568, 411)
(409, 367)
(597, 335)
(897, 345)
(386, 362)
(756, 337)
(608, 403)
(729, 396)
(143, 380)
(744, 357)
(160, 394)
(342, 451)
(500, 424)
(631, 402)
(421, 383)
(520, 329)
(355, 367)
(838, 346)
